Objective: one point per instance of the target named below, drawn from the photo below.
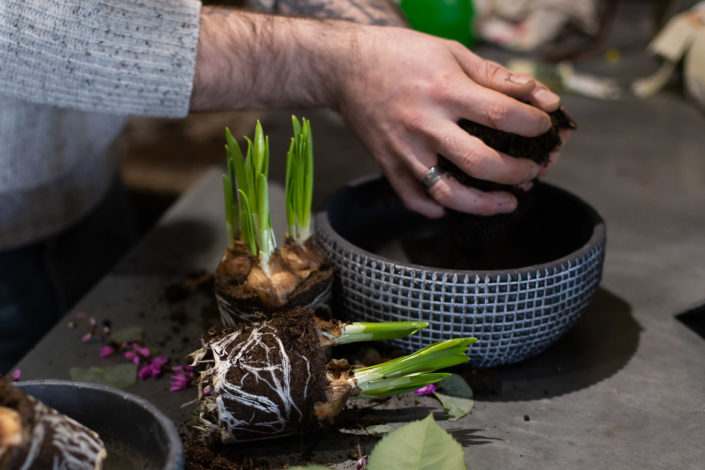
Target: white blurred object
(528, 24)
(683, 37)
(562, 76)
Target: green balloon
(451, 19)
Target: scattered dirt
(211, 454)
(181, 290)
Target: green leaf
(308, 174)
(120, 375)
(247, 224)
(455, 396)
(128, 334)
(421, 445)
(258, 150)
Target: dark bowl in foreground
(136, 434)
(392, 264)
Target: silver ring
(432, 176)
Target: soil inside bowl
(371, 217)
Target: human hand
(404, 94)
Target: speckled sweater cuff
(116, 56)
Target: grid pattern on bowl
(513, 315)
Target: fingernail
(546, 98)
(519, 79)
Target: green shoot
(247, 211)
(398, 385)
(230, 187)
(413, 371)
(299, 181)
(361, 331)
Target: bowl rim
(597, 237)
(175, 451)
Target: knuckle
(497, 114)
(494, 72)
(441, 193)
(415, 121)
(470, 162)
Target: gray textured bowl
(515, 313)
(136, 434)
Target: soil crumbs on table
(213, 455)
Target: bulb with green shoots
(256, 276)
(260, 380)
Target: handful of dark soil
(474, 234)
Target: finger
(515, 84)
(478, 160)
(497, 110)
(412, 194)
(450, 193)
(544, 98)
(492, 75)
(564, 135)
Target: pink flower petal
(86, 337)
(141, 350)
(106, 351)
(145, 372)
(81, 315)
(362, 463)
(132, 357)
(180, 380)
(16, 375)
(426, 391)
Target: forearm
(248, 60)
(377, 12)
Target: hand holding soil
(407, 100)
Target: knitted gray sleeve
(114, 56)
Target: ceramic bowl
(392, 264)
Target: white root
(74, 447)
(278, 413)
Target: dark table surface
(625, 388)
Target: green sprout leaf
(377, 331)
(421, 445)
(455, 396)
(247, 209)
(414, 371)
(247, 225)
(120, 375)
(299, 181)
